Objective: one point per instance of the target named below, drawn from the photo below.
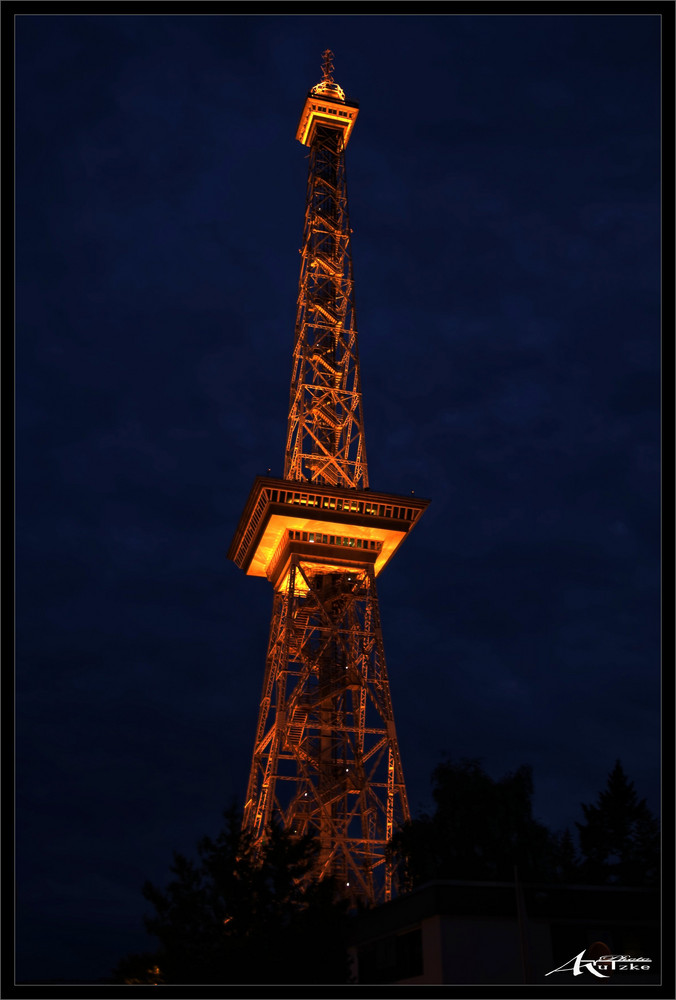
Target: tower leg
(326, 757)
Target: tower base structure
(326, 758)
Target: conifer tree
(619, 839)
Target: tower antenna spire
(326, 758)
(327, 66)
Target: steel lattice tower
(326, 757)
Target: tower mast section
(325, 436)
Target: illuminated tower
(325, 756)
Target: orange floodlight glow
(326, 108)
(279, 524)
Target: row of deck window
(331, 111)
(317, 536)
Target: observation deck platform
(338, 527)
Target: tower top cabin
(326, 104)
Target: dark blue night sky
(504, 196)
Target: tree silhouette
(619, 839)
(566, 859)
(238, 917)
(481, 830)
